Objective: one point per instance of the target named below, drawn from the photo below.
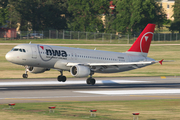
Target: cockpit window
(16, 49)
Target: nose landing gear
(25, 75)
(26, 71)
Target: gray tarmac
(76, 89)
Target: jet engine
(36, 70)
(80, 71)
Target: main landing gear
(61, 78)
(90, 80)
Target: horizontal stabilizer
(161, 61)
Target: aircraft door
(73, 56)
(34, 52)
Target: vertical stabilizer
(142, 43)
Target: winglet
(161, 61)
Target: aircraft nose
(14, 58)
(8, 57)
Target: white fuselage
(46, 56)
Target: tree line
(129, 16)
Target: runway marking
(133, 92)
(163, 77)
(68, 82)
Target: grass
(106, 110)
(9, 70)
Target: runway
(76, 89)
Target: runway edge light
(11, 105)
(51, 108)
(93, 112)
(135, 116)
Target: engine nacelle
(36, 70)
(80, 71)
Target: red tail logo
(143, 42)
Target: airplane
(38, 58)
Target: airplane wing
(114, 64)
(119, 64)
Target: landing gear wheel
(61, 78)
(25, 75)
(90, 81)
